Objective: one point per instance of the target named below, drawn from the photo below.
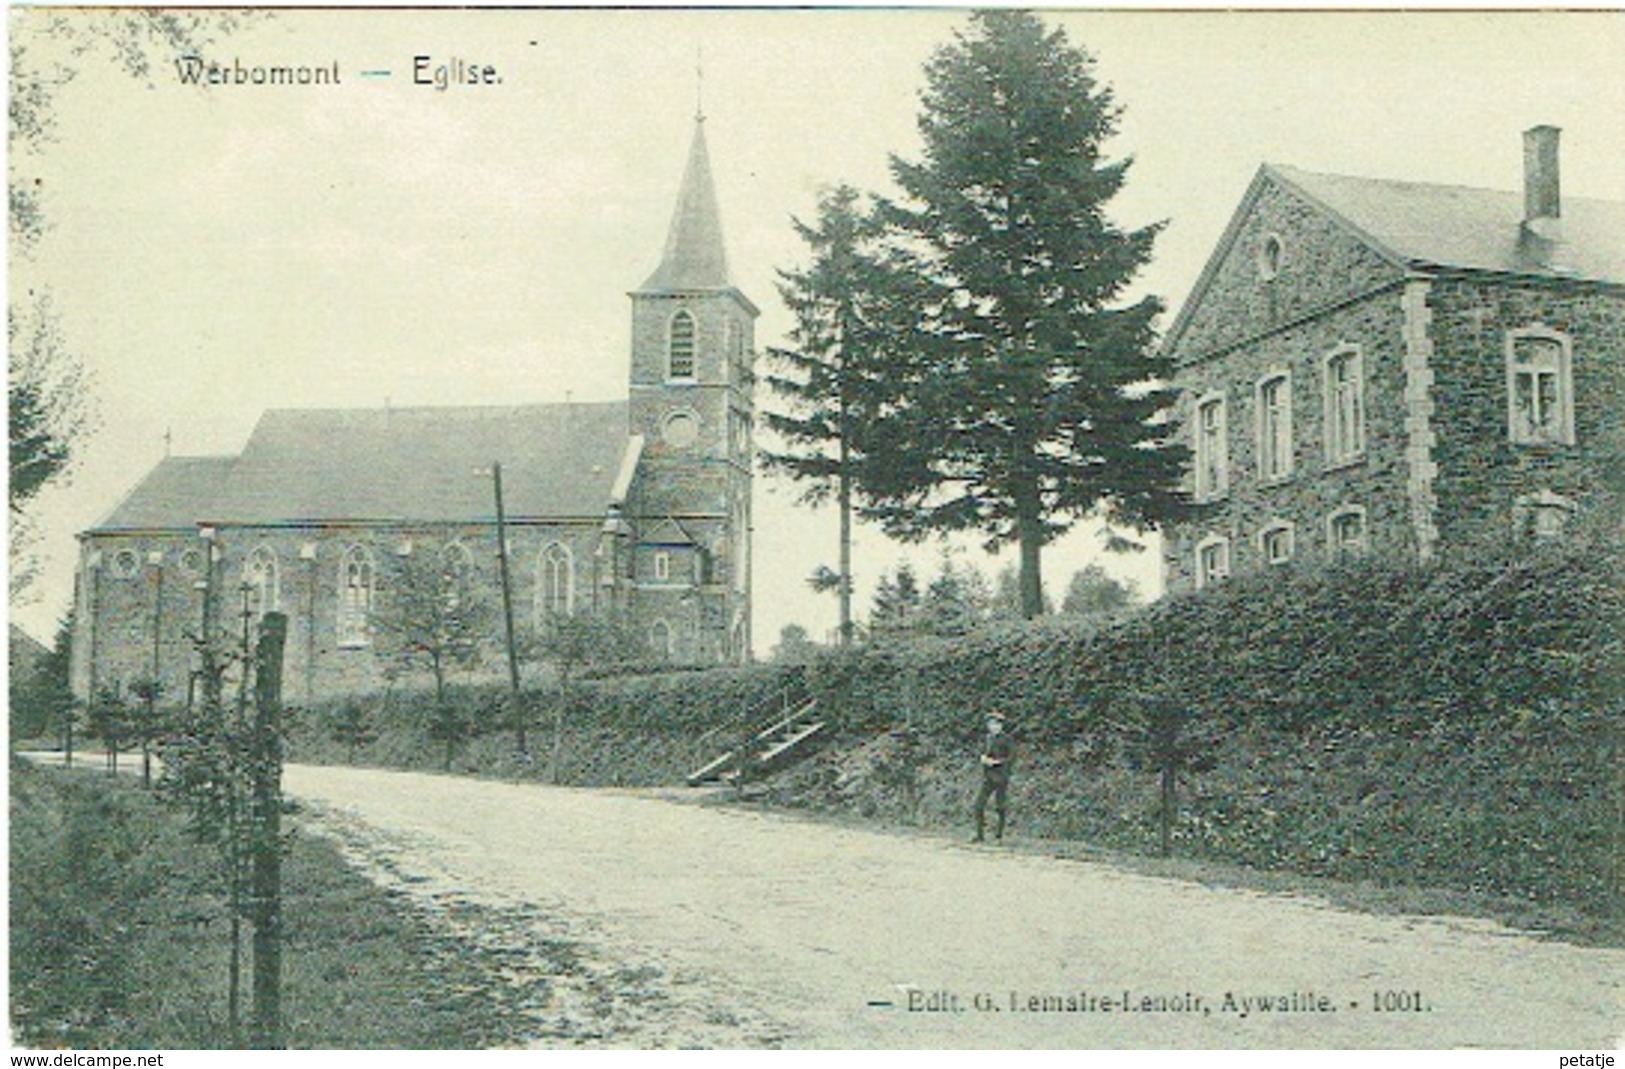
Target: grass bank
(1454, 727)
(119, 937)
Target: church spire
(694, 256)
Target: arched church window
(456, 572)
(736, 349)
(680, 348)
(261, 578)
(555, 582)
(357, 583)
(741, 547)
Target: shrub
(1456, 724)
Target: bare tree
(433, 617)
(569, 644)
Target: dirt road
(716, 926)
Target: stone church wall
(309, 573)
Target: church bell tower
(691, 374)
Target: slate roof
(695, 257)
(1460, 227)
(559, 461)
(170, 496)
(1422, 226)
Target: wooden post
(235, 833)
(147, 729)
(507, 610)
(265, 833)
(1166, 746)
(311, 579)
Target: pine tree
(896, 608)
(957, 600)
(826, 379)
(1029, 396)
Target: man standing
(995, 775)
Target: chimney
(1542, 204)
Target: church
(640, 507)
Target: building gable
(667, 532)
(1283, 256)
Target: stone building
(1393, 367)
(641, 506)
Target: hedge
(1457, 724)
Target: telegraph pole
(507, 609)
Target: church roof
(170, 495)
(559, 461)
(1429, 225)
(695, 257)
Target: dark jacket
(997, 750)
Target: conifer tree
(1028, 396)
(826, 380)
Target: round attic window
(681, 429)
(126, 563)
(192, 562)
(1269, 257)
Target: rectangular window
(662, 566)
(1212, 449)
(1212, 561)
(1540, 401)
(1275, 428)
(1345, 407)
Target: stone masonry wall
(1321, 264)
(1313, 490)
(315, 663)
(1481, 473)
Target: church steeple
(695, 258)
(691, 405)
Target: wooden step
(784, 746)
(774, 747)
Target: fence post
(265, 833)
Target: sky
(217, 251)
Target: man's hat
(995, 715)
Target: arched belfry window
(680, 347)
(358, 575)
(261, 579)
(555, 582)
